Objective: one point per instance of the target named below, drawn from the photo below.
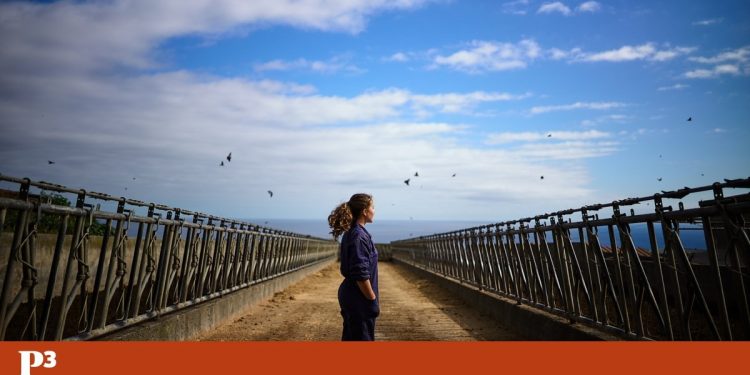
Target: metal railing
(590, 270)
(83, 286)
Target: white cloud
(171, 128)
(700, 73)
(555, 7)
(739, 55)
(669, 54)
(487, 56)
(294, 145)
(708, 22)
(576, 105)
(333, 65)
(521, 7)
(647, 51)
(589, 6)
(555, 136)
(676, 86)
(84, 36)
(567, 150)
(285, 88)
(559, 54)
(616, 117)
(482, 56)
(613, 118)
(518, 7)
(556, 145)
(735, 62)
(275, 65)
(454, 103)
(719, 70)
(588, 123)
(398, 57)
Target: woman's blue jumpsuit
(359, 261)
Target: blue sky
(318, 100)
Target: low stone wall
(190, 323)
(526, 321)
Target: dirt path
(412, 308)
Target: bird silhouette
(222, 163)
(701, 174)
(133, 178)
(549, 135)
(407, 181)
(50, 162)
(229, 157)
(454, 175)
(541, 178)
(270, 193)
(690, 118)
(416, 174)
(658, 179)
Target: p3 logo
(31, 359)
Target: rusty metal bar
(609, 282)
(93, 279)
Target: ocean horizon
(382, 231)
(385, 231)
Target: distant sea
(384, 231)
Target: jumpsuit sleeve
(359, 261)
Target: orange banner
(115, 358)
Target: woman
(358, 293)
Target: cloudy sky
(320, 99)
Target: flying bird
(407, 181)
(658, 179)
(416, 174)
(50, 162)
(690, 118)
(541, 178)
(549, 135)
(229, 157)
(222, 163)
(270, 193)
(454, 175)
(701, 174)
(133, 178)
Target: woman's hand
(366, 288)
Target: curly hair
(344, 215)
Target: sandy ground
(412, 308)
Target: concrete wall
(534, 324)
(190, 323)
